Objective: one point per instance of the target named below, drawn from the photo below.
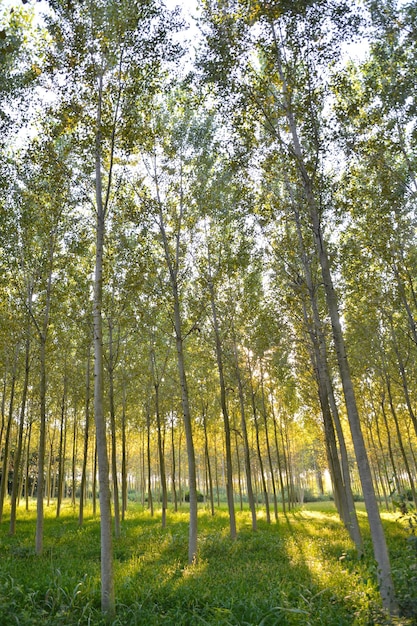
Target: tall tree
(110, 56)
(287, 92)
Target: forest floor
(299, 571)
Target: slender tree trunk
(107, 579)
(239, 473)
(180, 489)
(401, 367)
(400, 441)
(5, 466)
(268, 446)
(50, 484)
(148, 448)
(396, 482)
(380, 485)
(377, 533)
(173, 266)
(173, 473)
(94, 482)
(207, 455)
(246, 447)
(223, 404)
(403, 295)
(41, 451)
(279, 462)
(27, 490)
(74, 457)
(3, 403)
(258, 446)
(384, 462)
(164, 495)
(86, 438)
(18, 455)
(43, 335)
(339, 469)
(192, 538)
(124, 453)
(287, 465)
(216, 471)
(110, 370)
(63, 426)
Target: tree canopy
(209, 246)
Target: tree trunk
(223, 404)
(63, 426)
(148, 448)
(248, 466)
(94, 481)
(18, 455)
(27, 491)
(395, 480)
(258, 446)
(377, 533)
(3, 403)
(207, 455)
(5, 466)
(400, 441)
(86, 438)
(173, 472)
(107, 580)
(173, 266)
(74, 457)
(268, 447)
(279, 462)
(403, 378)
(339, 470)
(384, 461)
(124, 453)
(164, 495)
(110, 370)
(239, 473)
(192, 538)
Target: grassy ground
(301, 571)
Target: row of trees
(215, 260)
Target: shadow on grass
(299, 571)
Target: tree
(286, 94)
(165, 200)
(109, 56)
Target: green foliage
(302, 571)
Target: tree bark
(223, 404)
(110, 370)
(243, 426)
(258, 444)
(268, 446)
(61, 453)
(86, 438)
(5, 466)
(377, 533)
(207, 455)
(43, 333)
(173, 267)
(124, 453)
(17, 474)
(107, 579)
(164, 495)
(173, 471)
(148, 450)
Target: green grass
(301, 571)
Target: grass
(301, 571)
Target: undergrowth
(301, 571)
